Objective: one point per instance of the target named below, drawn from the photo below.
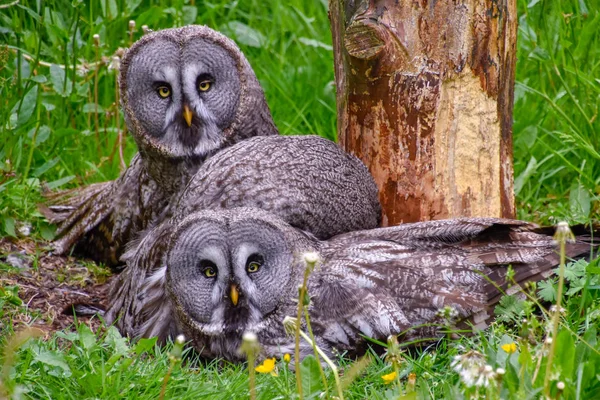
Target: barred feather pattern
(281, 174)
(372, 283)
(101, 219)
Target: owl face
(183, 90)
(227, 274)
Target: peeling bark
(425, 97)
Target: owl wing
(389, 281)
(139, 306)
(102, 218)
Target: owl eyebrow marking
(166, 74)
(189, 75)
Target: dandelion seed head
(311, 257)
(289, 325)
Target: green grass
(49, 139)
(557, 101)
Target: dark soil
(48, 286)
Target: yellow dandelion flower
(287, 358)
(389, 378)
(266, 367)
(509, 347)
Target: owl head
(228, 271)
(189, 91)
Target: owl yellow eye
(255, 261)
(204, 85)
(210, 272)
(253, 267)
(164, 91)
(208, 268)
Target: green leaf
(565, 357)
(45, 167)
(26, 105)
(91, 108)
(246, 35)
(43, 133)
(585, 37)
(59, 182)
(86, 337)
(525, 175)
(39, 78)
(47, 231)
(70, 336)
(58, 76)
(511, 378)
(585, 347)
(131, 5)
(53, 359)
(144, 345)
(547, 290)
(311, 377)
(510, 308)
(9, 226)
(580, 200)
(190, 13)
(117, 342)
(109, 9)
(48, 106)
(315, 43)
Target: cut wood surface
(425, 97)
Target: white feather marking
(169, 75)
(157, 278)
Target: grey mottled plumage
(186, 93)
(185, 276)
(307, 181)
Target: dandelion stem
(316, 350)
(329, 362)
(251, 375)
(562, 235)
(301, 295)
(251, 347)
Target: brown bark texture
(425, 98)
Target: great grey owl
(307, 181)
(186, 93)
(215, 274)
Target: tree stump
(424, 98)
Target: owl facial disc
(181, 90)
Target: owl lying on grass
(214, 274)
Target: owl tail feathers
(76, 212)
(585, 247)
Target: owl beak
(234, 295)
(187, 114)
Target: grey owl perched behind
(307, 181)
(216, 274)
(186, 93)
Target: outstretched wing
(101, 219)
(388, 281)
